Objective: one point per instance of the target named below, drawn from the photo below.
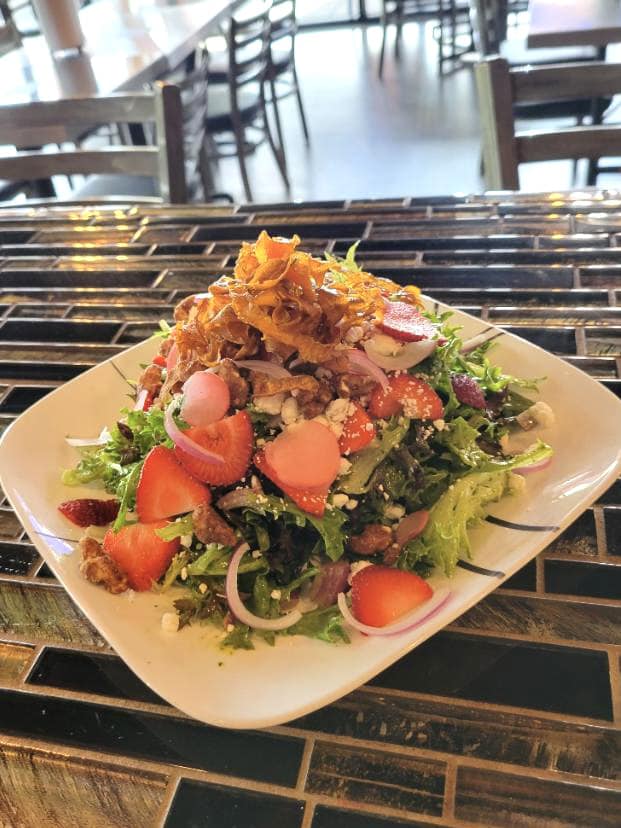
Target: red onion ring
(413, 619)
(409, 355)
(236, 604)
(360, 363)
(140, 400)
(535, 467)
(263, 367)
(185, 443)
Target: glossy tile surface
(512, 716)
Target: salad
(307, 447)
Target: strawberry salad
(308, 446)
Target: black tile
(178, 249)
(292, 206)
(540, 677)
(612, 521)
(612, 496)
(307, 230)
(42, 370)
(613, 385)
(595, 580)
(56, 330)
(199, 805)
(494, 276)
(558, 340)
(91, 673)
(255, 755)
(83, 249)
(77, 278)
(20, 398)
(578, 539)
(16, 558)
(45, 572)
(524, 578)
(326, 817)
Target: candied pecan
(99, 568)
(209, 527)
(238, 386)
(313, 403)
(354, 385)
(166, 346)
(183, 308)
(374, 538)
(391, 554)
(151, 379)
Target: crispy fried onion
(286, 301)
(263, 385)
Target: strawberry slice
(87, 511)
(381, 594)
(358, 431)
(160, 360)
(405, 322)
(312, 501)
(413, 396)
(165, 488)
(232, 438)
(140, 553)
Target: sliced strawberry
(171, 359)
(405, 322)
(140, 553)
(312, 501)
(412, 395)
(160, 360)
(88, 511)
(148, 401)
(381, 594)
(165, 488)
(232, 438)
(358, 431)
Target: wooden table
(574, 23)
(510, 717)
(128, 43)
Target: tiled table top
(510, 717)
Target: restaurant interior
(280, 283)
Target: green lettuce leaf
(325, 624)
(368, 459)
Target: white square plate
(271, 685)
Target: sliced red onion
(185, 443)
(263, 367)
(411, 526)
(236, 604)
(84, 442)
(237, 499)
(360, 363)
(409, 355)
(206, 399)
(140, 400)
(474, 341)
(535, 467)
(329, 582)
(412, 619)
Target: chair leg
(380, 68)
(278, 152)
(240, 143)
(298, 95)
(276, 111)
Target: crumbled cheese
(255, 483)
(504, 443)
(321, 419)
(202, 588)
(336, 429)
(344, 467)
(260, 442)
(394, 512)
(538, 414)
(354, 334)
(517, 483)
(323, 373)
(275, 594)
(439, 425)
(410, 407)
(186, 540)
(170, 622)
(351, 503)
(340, 500)
(338, 410)
(230, 628)
(269, 403)
(290, 411)
(256, 553)
(386, 496)
(184, 573)
(355, 569)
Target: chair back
(248, 49)
(489, 25)
(501, 88)
(283, 29)
(41, 122)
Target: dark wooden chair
(282, 76)
(501, 89)
(115, 168)
(237, 121)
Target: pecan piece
(374, 538)
(209, 527)
(239, 388)
(99, 568)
